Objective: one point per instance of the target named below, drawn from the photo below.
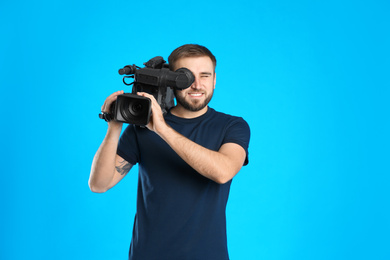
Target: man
(187, 160)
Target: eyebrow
(206, 73)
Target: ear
(215, 79)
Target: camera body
(155, 79)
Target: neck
(179, 111)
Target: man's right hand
(106, 107)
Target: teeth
(196, 94)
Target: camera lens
(136, 108)
(133, 109)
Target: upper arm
(236, 155)
(122, 167)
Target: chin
(194, 105)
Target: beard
(194, 106)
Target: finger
(110, 99)
(144, 94)
(114, 95)
(154, 101)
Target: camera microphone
(127, 70)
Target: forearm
(103, 165)
(215, 165)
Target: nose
(196, 84)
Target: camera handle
(105, 116)
(128, 84)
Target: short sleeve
(128, 147)
(238, 132)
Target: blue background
(310, 77)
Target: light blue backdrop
(310, 77)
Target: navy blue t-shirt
(180, 213)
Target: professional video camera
(155, 79)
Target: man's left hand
(157, 121)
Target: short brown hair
(190, 50)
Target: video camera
(155, 79)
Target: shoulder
(233, 126)
(216, 113)
(228, 120)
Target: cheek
(208, 82)
(212, 84)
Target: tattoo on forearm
(123, 168)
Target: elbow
(96, 189)
(222, 179)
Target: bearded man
(187, 160)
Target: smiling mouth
(195, 94)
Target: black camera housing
(155, 79)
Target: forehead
(195, 64)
